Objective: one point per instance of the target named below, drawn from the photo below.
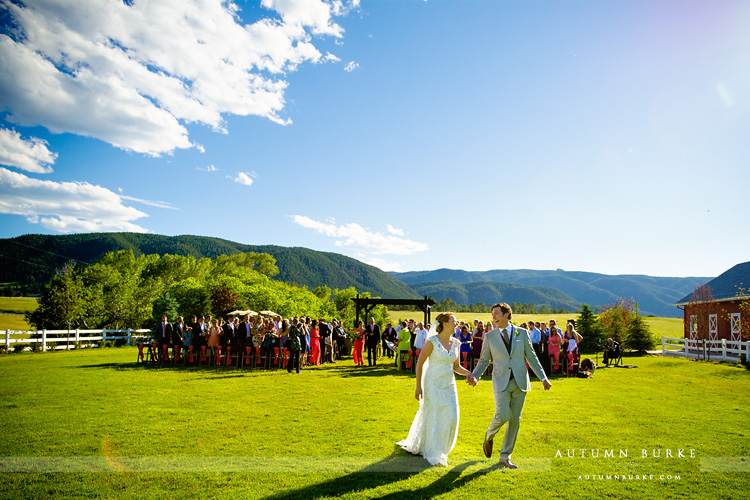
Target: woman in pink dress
(555, 341)
(359, 344)
(315, 342)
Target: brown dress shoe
(504, 463)
(487, 447)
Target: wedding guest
(404, 342)
(573, 341)
(488, 327)
(465, 339)
(294, 345)
(315, 342)
(339, 336)
(214, 333)
(178, 333)
(611, 351)
(187, 334)
(421, 336)
(199, 333)
(389, 335)
(476, 341)
(555, 343)
(163, 332)
(283, 334)
(359, 342)
(372, 339)
(324, 332)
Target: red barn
(720, 309)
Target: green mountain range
(491, 292)
(655, 295)
(31, 260)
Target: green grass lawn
(11, 312)
(18, 304)
(153, 432)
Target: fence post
(104, 336)
(723, 349)
(663, 349)
(130, 335)
(77, 338)
(44, 339)
(7, 340)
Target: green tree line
(121, 290)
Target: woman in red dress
(315, 342)
(359, 344)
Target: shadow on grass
(380, 370)
(382, 473)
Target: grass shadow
(389, 470)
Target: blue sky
(603, 136)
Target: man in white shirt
(421, 336)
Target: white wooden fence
(717, 350)
(64, 339)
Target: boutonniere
(517, 332)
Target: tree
(590, 328)
(165, 306)
(639, 336)
(63, 302)
(699, 307)
(615, 318)
(323, 293)
(223, 300)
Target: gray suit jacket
(522, 351)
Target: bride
(435, 428)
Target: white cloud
(134, 73)
(382, 264)
(66, 206)
(158, 204)
(31, 155)
(393, 230)
(244, 178)
(357, 237)
(208, 168)
(351, 66)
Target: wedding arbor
(367, 304)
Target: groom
(509, 348)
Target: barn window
(693, 326)
(735, 327)
(713, 326)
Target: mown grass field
(12, 310)
(331, 431)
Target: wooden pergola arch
(367, 304)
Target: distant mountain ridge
(490, 292)
(33, 259)
(655, 295)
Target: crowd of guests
(307, 340)
(556, 350)
(317, 341)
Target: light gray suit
(510, 395)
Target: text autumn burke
(642, 453)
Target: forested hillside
(32, 260)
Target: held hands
(471, 380)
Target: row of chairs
(248, 357)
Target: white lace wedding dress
(435, 428)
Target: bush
(19, 347)
(639, 336)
